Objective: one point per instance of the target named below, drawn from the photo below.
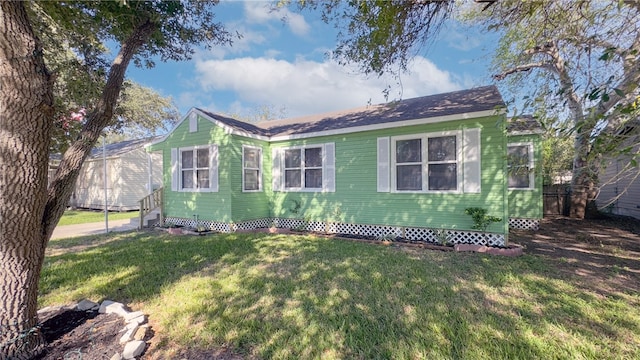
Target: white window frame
(244, 147)
(532, 176)
(303, 168)
(195, 169)
(424, 137)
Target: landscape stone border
(135, 330)
(512, 250)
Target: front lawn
(72, 217)
(292, 297)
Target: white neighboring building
(620, 185)
(132, 173)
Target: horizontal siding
(616, 182)
(527, 204)
(248, 205)
(127, 181)
(156, 171)
(89, 190)
(215, 206)
(133, 177)
(609, 188)
(356, 199)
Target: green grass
(72, 217)
(292, 297)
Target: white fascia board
(390, 125)
(227, 129)
(232, 131)
(525, 132)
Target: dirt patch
(605, 253)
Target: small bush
(481, 220)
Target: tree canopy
(140, 112)
(381, 36)
(582, 59)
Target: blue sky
(284, 66)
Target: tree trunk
(580, 190)
(585, 174)
(26, 110)
(28, 211)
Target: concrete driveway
(68, 231)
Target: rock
(110, 307)
(132, 315)
(467, 247)
(103, 306)
(512, 251)
(141, 332)
(509, 251)
(116, 357)
(128, 336)
(85, 305)
(137, 320)
(133, 349)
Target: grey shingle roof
(452, 103)
(523, 123)
(120, 148)
(237, 124)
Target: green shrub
(481, 220)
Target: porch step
(149, 220)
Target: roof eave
(390, 125)
(525, 132)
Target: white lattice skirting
(378, 231)
(524, 224)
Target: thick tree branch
(64, 180)
(628, 85)
(556, 65)
(521, 68)
(584, 173)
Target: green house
(408, 168)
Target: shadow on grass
(604, 253)
(278, 296)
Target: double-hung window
(194, 168)
(427, 162)
(251, 168)
(520, 166)
(303, 168)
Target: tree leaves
(382, 36)
(75, 36)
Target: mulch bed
(86, 335)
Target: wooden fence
(555, 199)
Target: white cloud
(248, 38)
(262, 13)
(297, 23)
(305, 87)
